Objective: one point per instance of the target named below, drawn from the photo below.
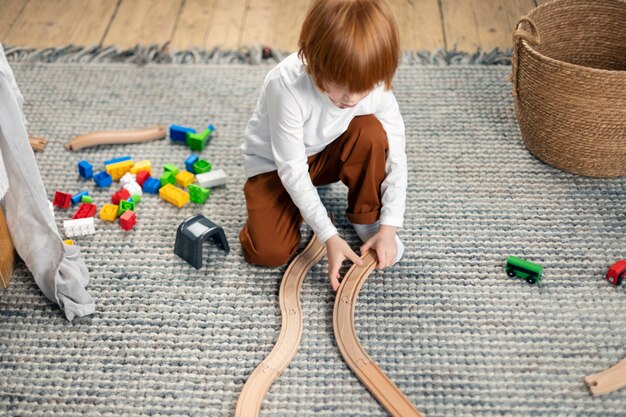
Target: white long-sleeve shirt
(294, 120)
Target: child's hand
(384, 244)
(337, 250)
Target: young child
(327, 114)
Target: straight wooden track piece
(113, 137)
(374, 379)
(608, 380)
(264, 375)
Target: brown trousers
(357, 158)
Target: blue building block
(190, 161)
(85, 169)
(76, 198)
(103, 179)
(152, 185)
(179, 133)
(211, 128)
(116, 160)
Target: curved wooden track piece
(608, 380)
(264, 375)
(112, 137)
(374, 379)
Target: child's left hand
(384, 244)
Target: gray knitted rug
(447, 324)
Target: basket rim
(568, 64)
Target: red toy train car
(617, 272)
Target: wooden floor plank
(46, 23)
(143, 22)
(419, 23)
(192, 28)
(472, 24)
(274, 23)
(226, 24)
(9, 12)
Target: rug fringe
(253, 55)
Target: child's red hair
(352, 43)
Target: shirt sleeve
(288, 149)
(393, 188)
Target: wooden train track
(262, 378)
(374, 379)
(608, 380)
(112, 137)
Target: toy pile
(176, 186)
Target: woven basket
(569, 84)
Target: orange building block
(174, 195)
(184, 178)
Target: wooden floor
(424, 24)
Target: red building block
(142, 176)
(121, 194)
(62, 200)
(85, 210)
(128, 219)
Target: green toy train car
(523, 269)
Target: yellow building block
(174, 195)
(184, 178)
(141, 166)
(118, 169)
(108, 212)
(68, 241)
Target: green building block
(168, 177)
(136, 198)
(201, 166)
(171, 168)
(198, 141)
(86, 199)
(198, 194)
(125, 205)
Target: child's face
(341, 97)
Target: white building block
(79, 227)
(134, 188)
(215, 178)
(127, 178)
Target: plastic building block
(134, 188)
(79, 227)
(198, 141)
(141, 177)
(192, 233)
(76, 198)
(85, 210)
(68, 242)
(215, 178)
(179, 133)
(86, 199)
(103, 179)
(125, 205)
(168, 178)
(171, 168)
(135, 198)
(85, 169)
(120, 195)
(191, 159)
(211, 128)
(116, 160)
(184, 178)
(128, 220)
(197, 194)
(523, 269)
(617, 272)
(108, 212)
(127, 179)
(201, 166)
(62, 200)
(141, 166)
(118, 169)
(152, 185)
(174, 195)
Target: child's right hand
(337, 251)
